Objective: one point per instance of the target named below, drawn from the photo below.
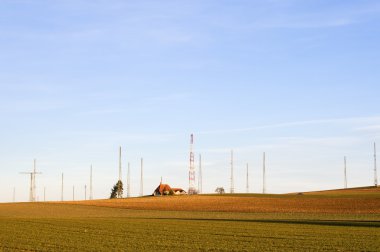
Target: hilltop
(355, 200)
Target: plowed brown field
(359, 204)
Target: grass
(95, 226)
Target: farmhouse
(165, 189)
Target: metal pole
(264, 182)
(375, 163)
(200, 175)
(129, 181)
(345, 173)
(232, 172)
(73, 193)
(90, 197)
(141, 179)
(62, 189)
(85, 192)
(120, 163)
(247, 186)
(34, 180)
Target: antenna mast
(32, 189)
(62, 188)
(129, 181)
(345, 173)
(14, 194)
(200, 175)
(120, 163)
(85, 192)
(90, 197)
(232, 172)
(141, 179)
(73, 193)
(192, 189)
(247, 185)
(375, 164)
(264, 184)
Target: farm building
(165, 189)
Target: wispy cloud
(351, 120)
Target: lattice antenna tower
(375, 163)
(129, 181)
(91, 195)
(264, 182)
(345, 173)
(119, 192)
(247, 182)
(142, 178)
(62, 188)
(32, 188)
(120, 163)
(232, 189)
(192, 189)
(200, 175)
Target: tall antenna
(200, 175)
(232, 172)
(375, 164)
(90, 183)
(73, 193)
(62, 188)
(264, 185)
(34, 180)
(44, 193)
(14, 194)
(141, 179)
(32, 189)
(345, 173)
(129, 181)
(85, 192)
(120, 163)
(247, 185)
(192, 189)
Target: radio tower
(375, 164)
(119, 192)
(345, 173)
(120, 163)
(129, 181)
(264, 189)
(141, 179)
(62, 189)
(200, 175)
(32, 189)
(232, 189)
(247, 186)
(192, 189)
(90, 197)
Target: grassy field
(308, 222)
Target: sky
(296, 79)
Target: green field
(67, 227)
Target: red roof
(166, 188)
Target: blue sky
(297, 79)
